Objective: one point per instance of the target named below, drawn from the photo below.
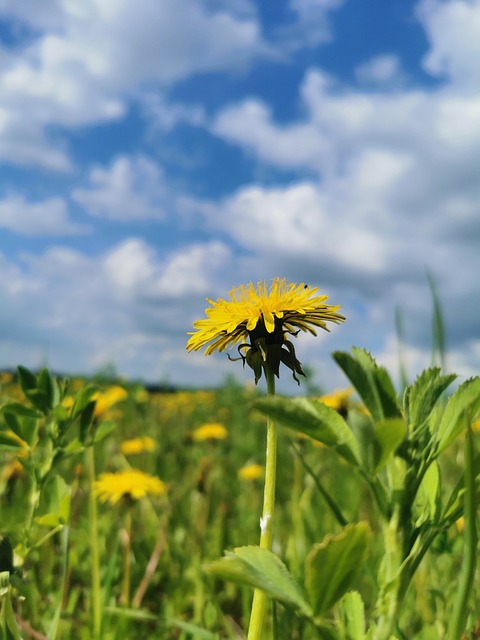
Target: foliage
(375, 524)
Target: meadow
(84, 554)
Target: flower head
(106, 399)
(264, 316)
(251, 472)
(210, 431)
(133, 484)
(137, 445)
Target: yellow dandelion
(263, 316)
(338, 399)
(6, 377)
(137, 445)
(106, 399)
(251, 472)
(210, 431)
(133, 484)
(476, 425)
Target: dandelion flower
(106, 399)
(338, 400)
(210, 431)
(251, 472)
(264, 316)
(133, 484)
(137, 445)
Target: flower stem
(93, 518)
(260, 600)
(127, 558)
(467, 574)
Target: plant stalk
(93, 519)
(260, 599)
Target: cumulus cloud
(100, 54)
(453, 30)
(381, 70)
(131, 188)
(48, 217)
(129, 305)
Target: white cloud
(453, 30)
(130, 306)
(49, 217)
(98, 54)
(131, 188)
(381, 70)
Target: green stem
(388, 602)
(259, 605)
(94, 549)
(127, 558)
(467, 574)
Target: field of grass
(76, 564)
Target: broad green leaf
(26, 379)
(22, 421)
(352, 612)
(104, 430)
(54, 507)
(48, 387)
(372, 383)
(423, 394)
(315, 419)
(333, 565)
(388, 434)
(460, 410)
(83, 398)
(426, 503)
(9, 443)
(262, 569)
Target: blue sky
(155, 153)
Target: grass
(70, 559)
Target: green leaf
(426, 503)
(8, 443)
(333, 565)
(260, 568)
(372, 383)
(22, 421)
(388, 435)
(460, 410)
(421, 397)
(352, 612)
(193, 630)
(48, 386)
(315, 419)
(83, 398)
(54, 506)
(26, 379)
(104, 430)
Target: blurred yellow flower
(250, 472)
(210, 431)
(476, 425)
(460, 524)
(133, 484)
(106, 399)
(338, 399)
(137, 445)
(68, 402)
(6, 377)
